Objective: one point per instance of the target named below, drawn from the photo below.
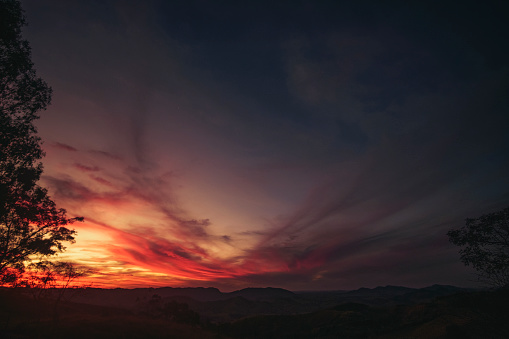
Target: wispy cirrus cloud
(86, 168)
(362, 213)
(63, 146)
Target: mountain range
(217, 306)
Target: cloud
(106, 154)
(362, 212)
(387, 204)
(173, 244)
(103, 181)
(165, 256)
(86, 168)
(68, 189)
(63, 146)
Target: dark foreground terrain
(382, 312)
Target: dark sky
(295, 144)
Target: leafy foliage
(30, 223)
(484, 243)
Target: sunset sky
(295, 144)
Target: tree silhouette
(484, 243)
(31, 226)
(52, 278)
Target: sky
(307, 145)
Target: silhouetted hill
(217, 306)
(239, 307)
(427, 294)
(129, 298)
(268, 293)
(198, 293)
(379, 296)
